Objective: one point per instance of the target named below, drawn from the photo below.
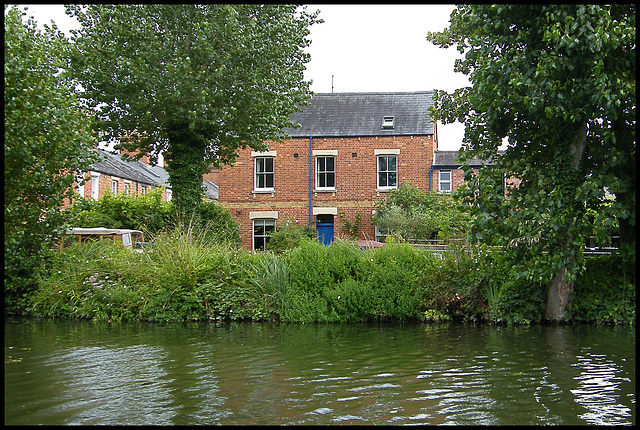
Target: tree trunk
(185, 165)
(558, 297)
(560, 290)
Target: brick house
(130, 177)
(350, 150)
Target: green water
(70, 372)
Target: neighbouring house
(446, 174)
(130, 177)
(350, 150)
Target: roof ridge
(375, 92)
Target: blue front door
(324, 226)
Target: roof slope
(449, 159)
(112, 164)
(361, 114)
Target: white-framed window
(127, 188)
(143, 189)
(264, 173)
(387, 171)
(114, 187)
(262, 230)
(169, 194)
(444, 182)
(325, 172)
(95, 185)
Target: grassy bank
(187, 277)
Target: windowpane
(445, 181)
(391, 161)
(331, 180)
(382, 179)
(329, 161)
(393, 181)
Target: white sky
(366, 48)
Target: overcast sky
(364, 48)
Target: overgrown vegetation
(186, 276)
(151, 214)
(411, 214)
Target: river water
(82, 372)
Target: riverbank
(184, 279)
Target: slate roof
(135, 170)
(448, 159)
(112, 164)
(361, 114)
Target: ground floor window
(381, 235)
(262, 229)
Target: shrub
(603, 294)
(289, 236)
(151, 214)
(183, 277)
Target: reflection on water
(65, 372)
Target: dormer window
(387, 122)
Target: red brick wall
(104, 184)
(457, 178)
(356, 180)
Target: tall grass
(190, 275)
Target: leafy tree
(558, 82)
(408, 213)
(195, 81)
(47, 140)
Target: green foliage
(604, 294)
(271, 278)
(289, 236)
(558, 82)
(458, 287)
(146, 212)
(186, 276)
(47, 139)
(349, 227)
(183, 277)
(151, 214)
(408, 213)
(199, 82)
(308, 267)
(520, 301)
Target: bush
(289, 236)
(151, 214)
(183, 277)
(603, 294)
(468, 282)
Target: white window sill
(325, 190)
(264, 191)
(385, 190)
